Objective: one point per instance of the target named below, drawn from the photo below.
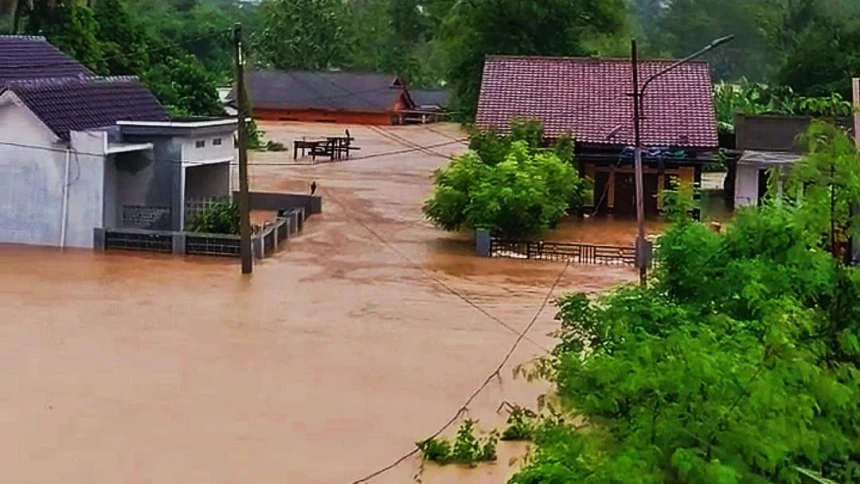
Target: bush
(507, 185)
(217, 218)
(466, 449)
(738, 365)
(275, 146)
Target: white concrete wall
(746, 185)
(210, 151)
(32, 183)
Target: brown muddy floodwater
(330, 362)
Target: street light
(638, 93)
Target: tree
(180, 82)
(123, 41)
(739, 363)
(71, 27)
(302, 34)
(524, 193)
(473, 30)
(688, 25)
(822, 60)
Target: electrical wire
(464, 408)
(180, 162)
(407, 143)
(357, 218)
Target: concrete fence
(263, 243)
(283, 201)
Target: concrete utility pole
(244, 201)
(641, 259)
(643, 249)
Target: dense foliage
(805, 45)
(506, 184)
(466, 448)
(738, 364)
(473, 30)
(755, 98)
(217, 218)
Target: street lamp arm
(698, 53)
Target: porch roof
(769, 158)
(114, 148)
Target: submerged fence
(263, 243)
(580, 253)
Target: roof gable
(340, 91)
(27, 57)
(591, 99)
(77, 104)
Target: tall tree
(474, 30)
(821, 58)
(70, 26)
(302, 34)
(688, 25)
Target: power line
(463, 408)
(180, 162)
(407, 143)
(427, 274)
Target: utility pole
(643, 248)
(641, 259)
(244, 201)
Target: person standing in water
(313, 187)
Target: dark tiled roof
(339, 91)
(65, 104)
(590, 98)
(24, 57)
(431, 97)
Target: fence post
(483, 242)
(99, 239)
(179, 243)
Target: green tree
(123, 40)
(522, 193)
(473, 30)
(738, 364)
(302, 34)
(71, 27)
(180, 82)
(822, 59)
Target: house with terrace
(591, 100)
(80, 152)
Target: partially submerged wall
(283, 201)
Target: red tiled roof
(591, 99)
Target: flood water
(327, 364)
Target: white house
(80, 153)
(770, 146)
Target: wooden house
(329, 97)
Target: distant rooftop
(27, 57)
(325, 90)
(431, 97)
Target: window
(199, 144)
(216, 142)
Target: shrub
(217, 218)
(466, 449)
(526, 193)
